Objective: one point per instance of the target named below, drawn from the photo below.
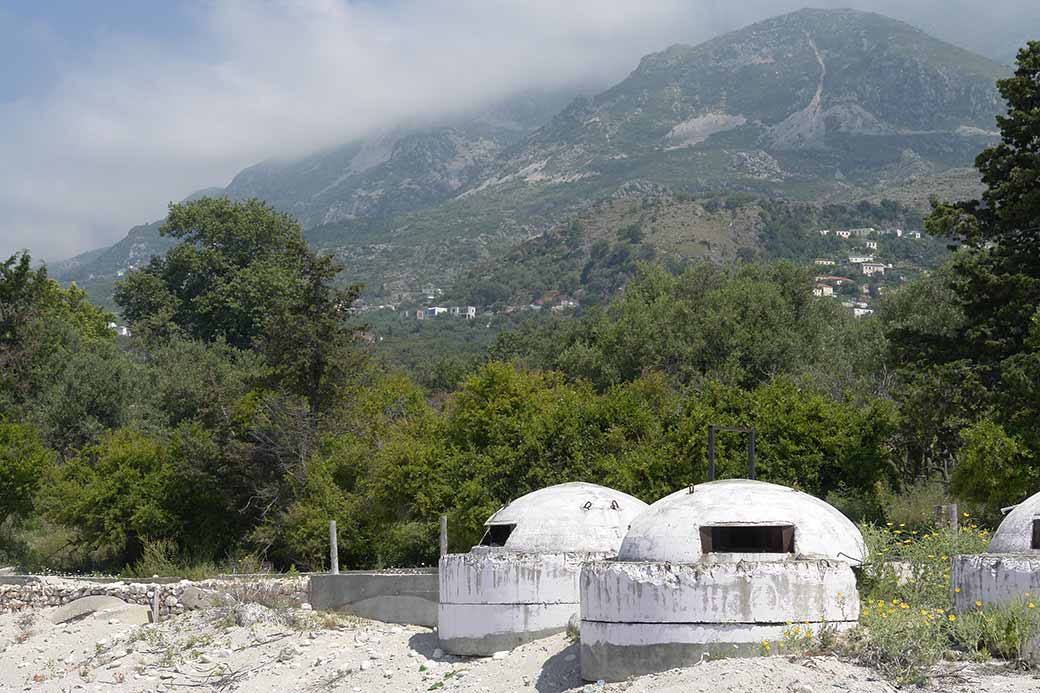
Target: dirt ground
(251, 648)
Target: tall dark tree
(309, 341)
(985, 369)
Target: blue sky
(109, 109)
(41, 39)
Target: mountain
(804, 103)
(816, 105)
(382, 175)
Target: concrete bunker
(521, 582)
(1010, 568)
(713, 571)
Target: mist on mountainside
(120, 122)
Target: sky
(110, 109)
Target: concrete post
(751, 453)
(155, 603)
(711, 453)
(444, 535)
(947, 515)
(333, 549)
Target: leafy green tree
(308, 341)
(40, 324)
(235, 263)
(992, 467)
(23, 462)
(115, 494)
(740, 325)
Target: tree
(235, 263)
(975, 378)
(999, 283)
(115, 494)
(23, 462)
(40, 324)
(308, 341)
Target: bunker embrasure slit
(747, 539)
(1035, 544)
(496, 535)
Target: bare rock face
(86, 606)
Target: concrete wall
(407, 597)
(994, 579)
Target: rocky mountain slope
(815, 105)
(812, 100)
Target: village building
(823, 290)
(872, 268)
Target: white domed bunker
(1010, 568)
(715, 571)
(521, 582)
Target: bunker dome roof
(1015, 533)
(575, 517)
(671, 529)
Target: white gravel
(256, 649)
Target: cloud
(138, 121)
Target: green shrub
(23, 461)
(906, 623)
(162, 557)
(999, 631)
(913, 564)
(900, 640)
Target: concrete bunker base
(994, 578)
(617, 651)
(642, 617)
(494, 600)
(405, 597)
(484, 629)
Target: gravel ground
(251, 648)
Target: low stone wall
(22, 592)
